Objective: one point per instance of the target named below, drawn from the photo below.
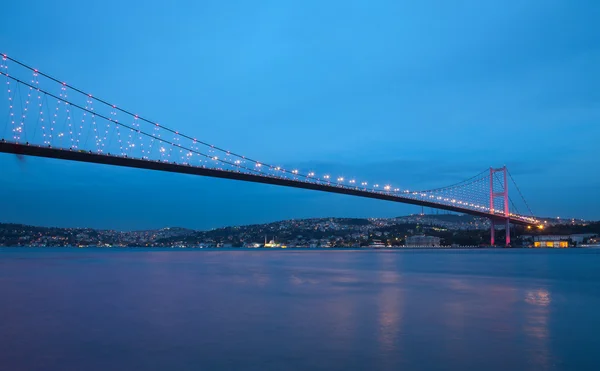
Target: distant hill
(451, 228)
(444, 217)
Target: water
(86, 309)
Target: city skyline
(454, 230)
(374, 112)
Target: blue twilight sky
(417, 93)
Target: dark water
(113, 310)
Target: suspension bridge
(46, 117)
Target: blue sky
(420, 94)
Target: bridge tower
(494, 194)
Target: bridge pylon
(504, 212)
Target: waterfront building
(551, 241)
(377, 244)
(422, 240)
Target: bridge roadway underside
(65, 154)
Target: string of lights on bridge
(45, 111)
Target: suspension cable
(520, 193)
(150, 121)
(455, 185)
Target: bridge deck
(64, 154)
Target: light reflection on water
(390, 303)
(537, 326)
(258, 310)
(539, 297)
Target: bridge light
(326, 177)
(541, 226)
(311, 174)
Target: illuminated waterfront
(329, 310)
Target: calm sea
(128, 309)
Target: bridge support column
(493, 233)
(507, 232)
(504, 212)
